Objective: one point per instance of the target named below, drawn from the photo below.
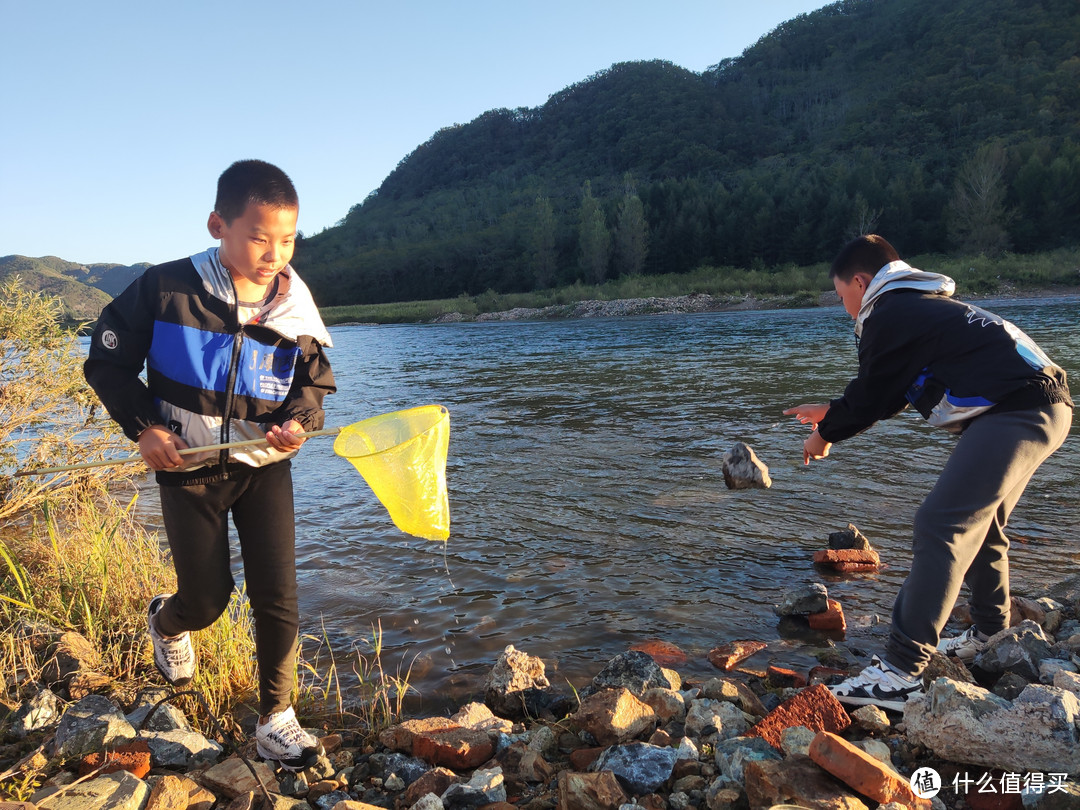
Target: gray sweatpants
(959, 531)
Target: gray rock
(1016, 649)
(744, 470)
(849, 538)
(1067, 591)
(727, 719)
(329, 800)
(1049, 667)
(113, 791)
(732, 755)
(687, 750)
(90, 725)
(810, 598)
(796, 740)
(1009, 686)
(1069, 681)
(408, 768)
(633, 670)
(181, 749)
(36, 713)
(516, 686)
(429, 801)
(964, 723)
(166, 717)
(294, 784)
(485, 787)
(640, 767)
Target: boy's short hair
(865, 254)
(253, 181)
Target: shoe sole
(293, 765)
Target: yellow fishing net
(402, 456)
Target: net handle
(187, 451)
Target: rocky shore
(699, 302)
(1003, 734)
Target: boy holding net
(233, 347)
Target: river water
(588, 506)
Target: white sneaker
(174, 657)
(281, 739)
(964, 646)
(877, 685)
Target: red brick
(814, 707)
(457, 748)
(831, 619)
(780, 677)
(861, 772)
(728, 655)
(133, 757)
(664, 653)
(831, 556)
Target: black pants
(959, 531)
(196, 523)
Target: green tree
(594, 240)
(978, 219)
(541, 243)
(631, 231)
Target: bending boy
(975, 374)
(233, 348)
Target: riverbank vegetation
(788, 286)
(78, 568)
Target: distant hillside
(84, 288)
(942, 125)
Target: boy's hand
(160, 448)
(808, 414)
(815, 448)
(286, 438)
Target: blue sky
(119, 116)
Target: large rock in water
(1039, 731)
(516, 686)
(744, 470)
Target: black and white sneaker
(174, 657)
(282, 740)
(964, 646)
(878, 685)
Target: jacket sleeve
(312, 381)
(889, 360)
(118, 350)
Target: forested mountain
(943, 125)
(85, 289)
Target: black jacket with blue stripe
(948, 359)
(209, 378)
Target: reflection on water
(587, 501)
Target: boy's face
(257, 245)
(851, 292)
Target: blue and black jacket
(209, 378)
(950, 360)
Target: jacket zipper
(230, 394)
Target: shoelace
(289, 735)
(176, 651)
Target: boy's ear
(216, 225)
